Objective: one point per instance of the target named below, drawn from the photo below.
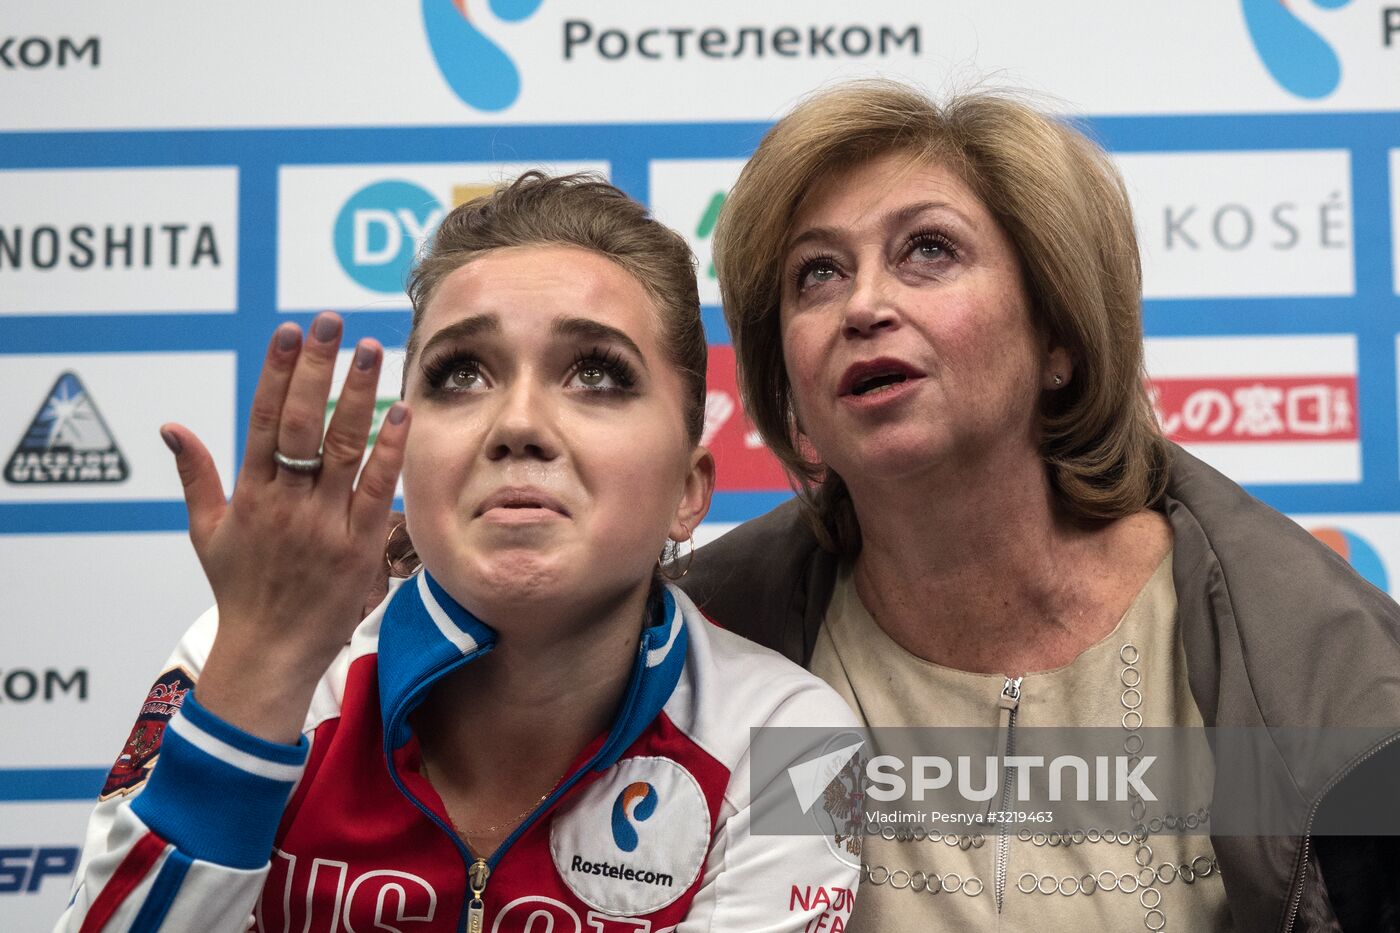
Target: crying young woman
(533, 730)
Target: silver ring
(309, 465)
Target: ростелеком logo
(475, 67)
(1301, 61)
(640, 799)
(380, 229)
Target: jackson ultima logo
(1302, 62)
(474, 66)
(67, 442)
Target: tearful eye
(463, 377)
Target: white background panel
(51, 828)
(681, 194)
(1312, 354)
(1214, 224)
(1265, 461)
(1284, 461)
(368, 63)
(170, 276)
(111, 604)
(309, 273)
(135, 393)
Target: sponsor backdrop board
(166, 201)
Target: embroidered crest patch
(138, 756)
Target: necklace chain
(513, 821)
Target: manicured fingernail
(326, 328)
(287, 337)
(397, 412)
(171, 441)
(365, 356)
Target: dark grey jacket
(1279, 631)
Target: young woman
(531, 732)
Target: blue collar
(425, 634)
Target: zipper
(1295, 899)
(1009, 702)
(477, 876)
(473, 916)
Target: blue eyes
(923, 247)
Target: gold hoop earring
(397, 564)
(669, 556)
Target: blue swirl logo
(1302, 62)
(379, 230)
(640, 799)
(475, 67)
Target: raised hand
(290, 555)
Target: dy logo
(1302, 62)
(379, 230)
(476, 68)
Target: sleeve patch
(142, 747)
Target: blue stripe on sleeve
(210, 809)
(167, 885)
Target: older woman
(936, 313)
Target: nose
(524, 425)
(870, 307)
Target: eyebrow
(894, 218)
(582, 328)
(473, 326)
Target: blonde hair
(1063, 205)
(579, 210)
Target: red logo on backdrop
(744, 464)
(1270, 408)
(143, 745)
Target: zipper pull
(477, 876)
(1010, 694)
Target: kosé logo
(1301, 61)
(381, 228)
(473, 65)
(67, 441)
(1243, 223)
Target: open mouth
(875, 383)
(875, 376)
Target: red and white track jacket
(204, 827)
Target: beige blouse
(930, 881)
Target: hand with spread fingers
(287, 555)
